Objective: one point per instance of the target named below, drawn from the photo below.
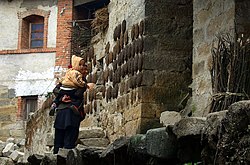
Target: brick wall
(64, 27)
(19, 107)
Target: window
(29, 105)
(36, 35)
(33, 29)
(32, 35)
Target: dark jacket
(72, 113)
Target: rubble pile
(12, 151)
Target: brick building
(35, 48)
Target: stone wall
(210, 19)
(39, 130)
(242, 17)
(113, 50)
(143, 66)
(168, 51)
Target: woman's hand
(90, 86)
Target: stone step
(95, 142)
(92, 132)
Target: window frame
(23, 40)
(28, 102)
(36, 39)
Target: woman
(69, 103)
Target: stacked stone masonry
(134, 68)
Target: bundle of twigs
(231, 71)
(81, 38)
(101, 20)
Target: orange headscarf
(73, 77)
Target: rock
(15, 155)
(233, 145)
(170, 118)
(188, 131)
(16, 147)
(189, 126)
(50, 139)
(35, 159)
(2, 146)
(86, 155)
(49, 159)
(62, 155)
(8, 149)
(10, 140)
(210, 136)
(137, 149)
(137, 144)
(161, 143)
(22, 142)
(6, 161)
(116, 151)
(210, 131)
(74, 157)
(95, 132)
(95, 142)
(21, 161)
(63, 152)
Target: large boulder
(233, 146)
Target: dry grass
(230, 71)
(101, 21)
